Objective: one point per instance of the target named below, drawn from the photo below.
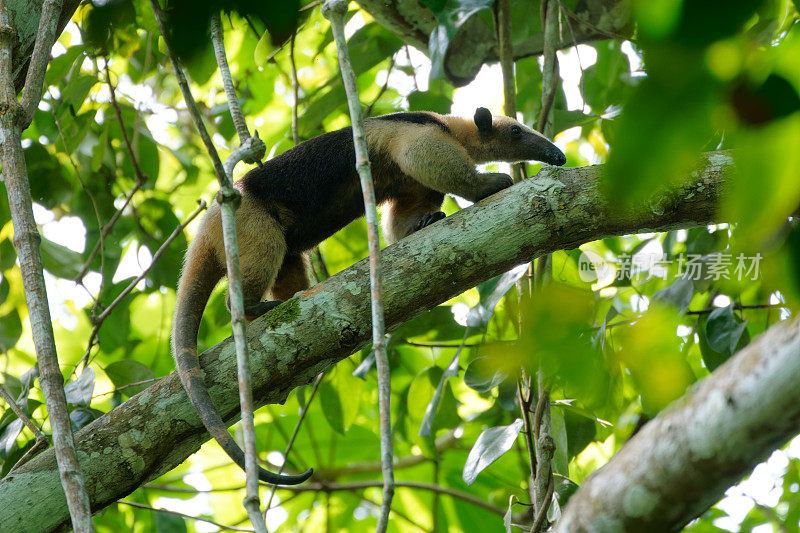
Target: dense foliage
(666, 310)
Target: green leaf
(8, 254)
(490, 446)
(168, 523)
(425, 428)
(60, 260)
(482, 376)
(9, 436)
(79, 392)
(451, 16)
(429, 101)
(331, 402)
(679, 294)
(480, 315)
(126, 372)
(10, 330)
(5, 287)
(558, 430)
(264, 50)
(724, 330)
(422, 391)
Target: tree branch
(682, 461)
(158, 429)
(14, 118)
(335, 11)
(475, 44)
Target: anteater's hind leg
(416, 209)
(262, 247)
(292, 277)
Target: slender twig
(335, 11)
(542, 512)
(99, 245)
(156, 256)
(357, 485)
(318, 268)
(502, 16)
(190, 517)
(14, 119)
(39, 445)
(525, 408)
(545, 445)
(572, 15)
(20, 413)
(137, 170)
(228, 199)
(294, 436)
(41, 439)
(40, 57)
(295, 91)
(127, 386)
(736, 307)
(368, 110)
(251, 150)
(258, 148)
(445, 345)
(106, 229)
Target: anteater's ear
(483, 119)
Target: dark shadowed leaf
(125, 372)
(724, 330)
(82, 416)
(168, 523)
(8, 254)
(331, 403)
(10, 330)
(491, 444)
(430, 412)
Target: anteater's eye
(516, 130)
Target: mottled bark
(682, 461)
(158, 429)
(476, 42)
(25, 15)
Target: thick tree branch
(158, 429)
(682, 461)
(25, 16)
(476, 44)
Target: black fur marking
(416, 118)
(318, 183)
(313, 180)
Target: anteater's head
(504, 139)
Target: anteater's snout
(557, 157)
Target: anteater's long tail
(200, 276)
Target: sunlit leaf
(490, 446)
(79, 392)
